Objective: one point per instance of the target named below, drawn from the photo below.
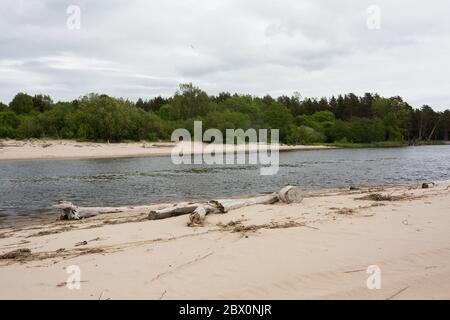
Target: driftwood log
(290, 194)
(199, 214)
(222, 206)
(226, 205)
(69, 211)
(197, 211)
(176, 210)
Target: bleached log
(199, 215)
(290, 194)
(198, 211)
(174, 211)
(225, 205)
(69, 211)
(222, 206)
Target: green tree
(324, 116)
(242, 104)
(445, 125)
(190, 102)
(370, 118)
(22, 103)
(30, 128)
(42, 103)
(227, 119)
(140, 104)
(351, 106)
(338, 131)
(9, 122)
(305, 135)
(277, 116)
(155, 104)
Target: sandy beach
(320, 248)
(68, 149)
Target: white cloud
(144, 48)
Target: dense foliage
(346, 118)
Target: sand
(318, 249)
(68, 149)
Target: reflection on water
(31, 187)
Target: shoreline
(36, 219)
(30, 150)
(72, 150)
(326, 243)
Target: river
(30, 188)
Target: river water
(30, 188)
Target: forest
(342, 119)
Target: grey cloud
(144, 48)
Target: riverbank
(385, 144)
(326, 243)
(68, 149)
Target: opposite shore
(69, 149)
(36, 149)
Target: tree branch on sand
(197, 211)
(69, 211)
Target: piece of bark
(290, 194)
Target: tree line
(340, 119)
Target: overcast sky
(142, 48)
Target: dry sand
(67, 149)
(320, 248)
